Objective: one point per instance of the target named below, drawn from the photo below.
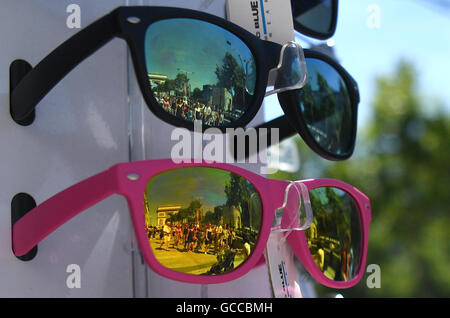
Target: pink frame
(298, 243)
(37, 224)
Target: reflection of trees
(238, 192)
(330, 238)
(165, 87)
(180, 82)
(231, 75)
(319, 103)
(179, 85)
(213, 217)
(326, 111)
(187, 215)
(197, 94)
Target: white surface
(81, 129)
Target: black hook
(17, 71)
(21, 204)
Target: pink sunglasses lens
(334, 238)
(200, 220)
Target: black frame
(289, 105)
(45, 75)
(318, 35)
(131, 23)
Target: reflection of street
(326, 252)
(191, 262)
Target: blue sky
(410, 29)
(175, 45)
(181, 186)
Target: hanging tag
(278, 253)
(268, 19)
(282, 271)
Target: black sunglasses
(192, 65)
(315, 18)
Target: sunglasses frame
(299, 244)
(319, 35)
(290, 106)
(131, 179)
(29, 85)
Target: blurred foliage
(402, 164)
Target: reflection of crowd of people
(331, 255)
(191, 110)
(190, 237)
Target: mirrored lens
(199, 71)
(202, 221)
(326, 108)
(334, 238)
(316, 15)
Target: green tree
(238, 192)
(188, 214)
(181, 82)
(402, 164)
(166, 87)
(230, 75)
(197, 93)
(405, 172)
(218, 213)
(209, 218)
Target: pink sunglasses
(209, 223)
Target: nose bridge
(291, 72)
(305, 206)
(296, 212)
(287, 208)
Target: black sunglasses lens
(199, 71)
(334, 237)
(315, 15)
(326, 108)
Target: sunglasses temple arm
(41, 221)
(285, 130)
(37, 82)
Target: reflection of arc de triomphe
(166, 211)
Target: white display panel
(82, 128)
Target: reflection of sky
(193, 46)
(318, 67)
(181, 186)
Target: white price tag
(268, 19)
(282, 271)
